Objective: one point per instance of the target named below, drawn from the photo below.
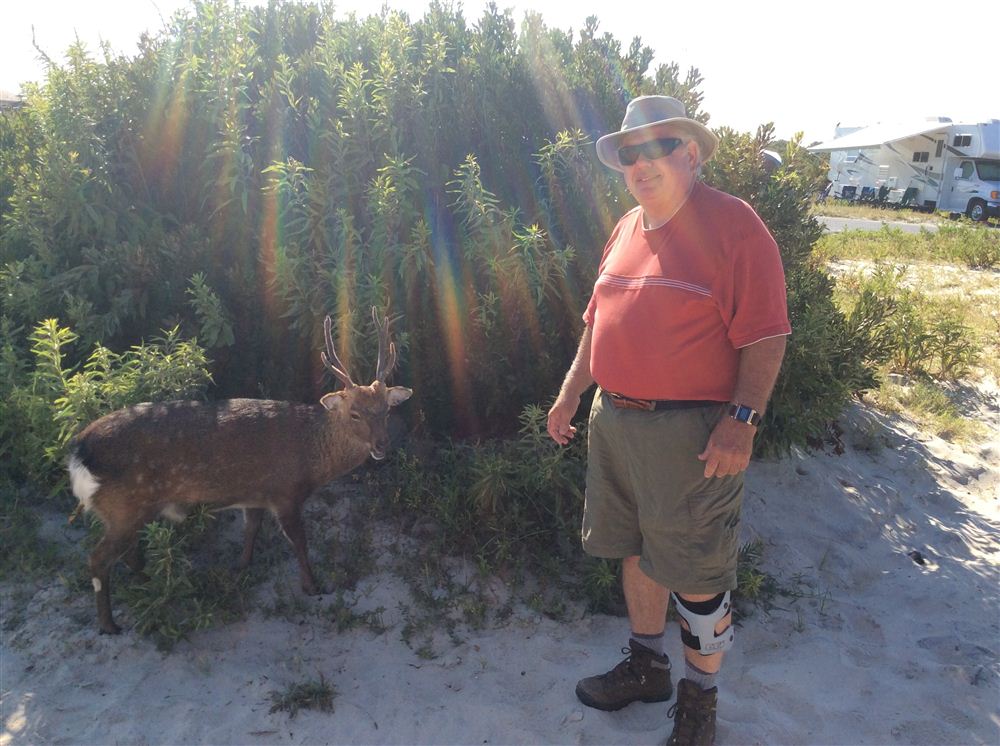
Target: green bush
(173, 597)
(255, 168)
(45, 404)
(910, 333)
(498, 500)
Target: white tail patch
(84, 483)
(173, 513)
(97, 584)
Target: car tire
(976, 210)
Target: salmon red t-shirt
(672, 307)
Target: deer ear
(333, 401)
(398, 394)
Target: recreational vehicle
(932, 165)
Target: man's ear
(694, 154)
(334, 402)
(398, 394)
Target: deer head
(365, 409)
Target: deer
(156, 460)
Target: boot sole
(615, 706)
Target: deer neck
(336, 451)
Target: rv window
(988, 170)
(940, 147)
(921, 157)
(962, 141)
(966, 169)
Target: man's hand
(559, 417)
(728, 450)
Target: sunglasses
(652, 149)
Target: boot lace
(624, 671)
(688, 722)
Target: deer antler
(386, 349)
(330, 359)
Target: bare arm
(731, 442)
(578, 380)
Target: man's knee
(701, 622)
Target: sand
(872, 648)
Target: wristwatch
(743, 413)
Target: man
(685, 332)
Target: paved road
(837, 225)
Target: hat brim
(607, 146)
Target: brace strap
(701, 618)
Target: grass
(947, 318)
(944, 290)
(967, 244)
(23, 554)
(308, 695)
(931, 405)
(841, 209)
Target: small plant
(22, 552)
(601, 586)
(931, 405)
(905, 329)
(216, 328)
(173, 598)
(753, 586)
(308, 695)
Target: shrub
(254, 169)
(908, 331)
(46, 405)
(174, 598)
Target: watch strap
(743, 413)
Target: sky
(805, 66)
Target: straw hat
(648, 111)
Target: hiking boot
(643, 676)
(694, 715)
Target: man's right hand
(559, 418)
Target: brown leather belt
(621, 401)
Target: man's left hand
(729, 448)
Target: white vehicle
(932, 165)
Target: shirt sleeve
(758, 306)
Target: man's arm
(578, 380)
(731, 442)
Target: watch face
(743, 413)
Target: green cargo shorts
(647, 495)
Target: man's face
(661, 184)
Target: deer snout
(380, 444)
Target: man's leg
(644, 676)
(647, 603)
(697, 695)
(704, 666)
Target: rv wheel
(976, 210)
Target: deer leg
(252, 518)
(111, 546)
(134, 559)
(291, 525)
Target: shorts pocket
(718, 501)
